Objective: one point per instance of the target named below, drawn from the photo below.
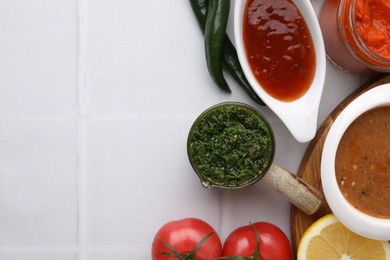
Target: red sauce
(279, 48)
(357, 34)
(372, 19)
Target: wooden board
(309, 169)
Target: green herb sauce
(231, 146)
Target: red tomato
(183, 236)
(274, 244)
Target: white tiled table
(96, 100)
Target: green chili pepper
(216, 22)
(229, 53)
(231, 62)
(200, 8)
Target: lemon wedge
(328, 239)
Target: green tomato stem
(256, 254)
(177, 254)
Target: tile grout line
(73, 249)
(81, 135)
(38, 249)
(222, 212)
(80, 113)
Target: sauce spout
(300, 116)
(301, 120)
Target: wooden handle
(294, 189)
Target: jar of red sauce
(357, 34)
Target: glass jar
(343, 42)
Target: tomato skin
(183, 235)
(274, 244)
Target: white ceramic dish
(352, 218)
(299, 116)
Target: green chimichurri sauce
(230, 146)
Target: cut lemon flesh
(328, 239)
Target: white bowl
(299, 116)
(355, 220)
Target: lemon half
(328, 239)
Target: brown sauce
(363, 163)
